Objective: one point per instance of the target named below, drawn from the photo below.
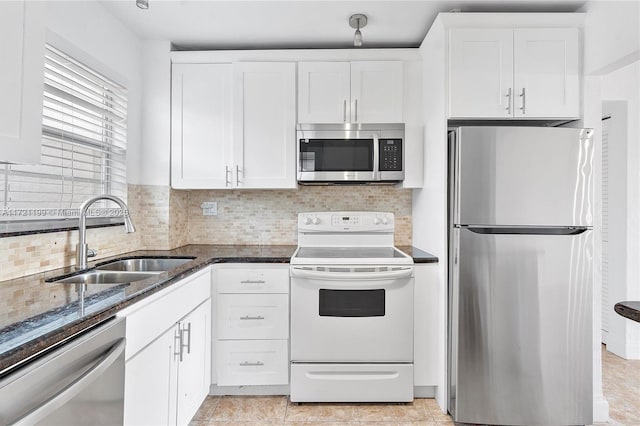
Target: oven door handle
(399, 273)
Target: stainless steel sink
(144, 264)
(107, 277)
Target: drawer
(252, 362)
(351, 382)
(259, 280)
(253, 316)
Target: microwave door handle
(376, 157)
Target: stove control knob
(307, 220)
(376, 221)
(315, 220)
(385, 221)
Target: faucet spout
(82, 249)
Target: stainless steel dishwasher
(78, 383)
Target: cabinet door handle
(247, 317)
(227, 181)
(186, 330)
(237, 175)
(344, 110)
(251, 364)
(356, 112)
(523, 95)
(508, 96)
(252, 282)
(177, 344)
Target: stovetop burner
(347, 238)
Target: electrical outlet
(209, 208)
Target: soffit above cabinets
(200, 25)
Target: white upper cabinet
(201, 125)
(547, 79)
(350, 92)
(264, 111)
(481, 72)
(524, 73)
(233, 125)
(376, 92)
(22, 51)
(323, 92)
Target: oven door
(352, 314)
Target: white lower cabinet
(252, 325)
(168, 356)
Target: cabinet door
(376, 92)
(264, 114)
(21, 85)
(480, 73)
(150, 383)
(547, 81)
(323, 92)
(194, 369)
(201, 125)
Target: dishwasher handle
(75, 387)
(396, 273)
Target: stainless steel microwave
(350, 152)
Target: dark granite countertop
(629, 310)
(36, 315)
(419, 256)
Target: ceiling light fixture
(357, 21)
(142, 4)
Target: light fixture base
(353, 20)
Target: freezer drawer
(531, 176)
(521, 328)
(351, 382)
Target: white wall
(623, 87)
(612, 34)
(430, 202)
(156, 113)
(87, 31)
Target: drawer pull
(252, 282)
(251, 364)
(259, 317)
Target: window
(84, 136)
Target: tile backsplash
(166, 218)
(262, 217)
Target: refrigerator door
(520, 323)
(531, 176)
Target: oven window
(351, 303)
(336, 155)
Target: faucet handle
(92, 252)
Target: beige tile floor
(621, 384)
(621, 387)
(277, 410)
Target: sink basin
(144, 264)
(106, 277)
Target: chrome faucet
(83, 250)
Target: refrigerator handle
(538, 230)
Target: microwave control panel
(390, 155)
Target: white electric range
(351, 310)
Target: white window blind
(84, 139)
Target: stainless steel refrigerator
(520, 275)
